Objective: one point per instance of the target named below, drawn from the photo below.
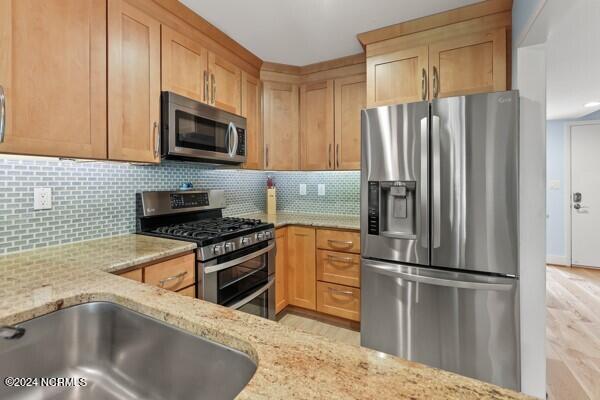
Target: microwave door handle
(229, 139)
(236, 261)
(254, 295)
(234, 132)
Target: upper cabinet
(251, 110)
(184, 66)
(280, 125)
(53, 74)
(397, 77)
(316, 136)
(350, 99)
(133, 84)
(225, 84)
(474, 63)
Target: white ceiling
(301, 32)
(573, 58)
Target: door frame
(568, 189)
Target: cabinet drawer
(174, 274)
(189, 291)
(135, 274)
(342, 268)
(346, 241)
(338, 300)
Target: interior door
(585, 188)
(474, 181)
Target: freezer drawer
(459, 322)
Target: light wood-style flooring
(306, 324)
(573, 333)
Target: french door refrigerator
(439, 226)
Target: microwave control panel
(241, 150)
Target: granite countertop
(291, 363)
(282, 219)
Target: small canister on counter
(271, 196)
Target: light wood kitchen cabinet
(280, 125)
(251, 110)
(281, 265)
(317, 126)
(340, 268)
(338, 300)
(350, 98)
(301, 267)
(345, 241)
(53, 74)
(474, 63)
(225, 84)
(188, 291)
(184, 65)
(133, 84)
(134, 275)
(397, 77)
(174, 274)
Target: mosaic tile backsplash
(97, 199)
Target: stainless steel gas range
(235, 264)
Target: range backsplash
(97, 199)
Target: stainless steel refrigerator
(439, 234)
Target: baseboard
(328, 319)
(558, 260)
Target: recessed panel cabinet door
(251, 110)
(281, 259)
(350, 98)
(281, 126)
(225, 84)
(398, 77)
(474, 63)
(53, 74)
(302, 270)
(184, 65)
(316, 136)
(133, 84)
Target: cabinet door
(133, 84)
(316, 127)
(302, 273)
(184, 65)
(53, 73)
(281, 295)
(398, 77)
(225, 84)
(474, 63)
(350, 98)
(280, 122)
(251, 110)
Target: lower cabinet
(301, 267)
(281, 258)
(338, 300)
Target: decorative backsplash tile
(97, 199)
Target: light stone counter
(291, 364)
(282, 219)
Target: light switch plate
(303, 189)
(554, 185)
(321, 187)
(42, 198)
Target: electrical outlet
(42, 198)
(321, 188)
(303, 189)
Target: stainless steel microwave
(195, 131)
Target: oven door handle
(254, 295)
(236, 261)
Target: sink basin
(121, 354)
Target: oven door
(261, 302)
(196, 130)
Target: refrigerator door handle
(423, 185)
(398, 271)
(437, 181)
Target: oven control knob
(260, 236)
(268, 234)
(218, 249)
(228, 247)
(245, 240)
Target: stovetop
(210, 230)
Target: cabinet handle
(424, 84)
(156, 133)
(342, 242)
(267, 155)
(337, 291)
(347, 260)
(337, 154)
(180, 275)
(2, 114)
(214, 88)
(330, 155)
(436, 82)
(206, 86)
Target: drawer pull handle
(180, 275)
(344, 292)
(342, 242)
(341, 259)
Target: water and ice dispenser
(393, 209)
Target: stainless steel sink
(121, 354)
